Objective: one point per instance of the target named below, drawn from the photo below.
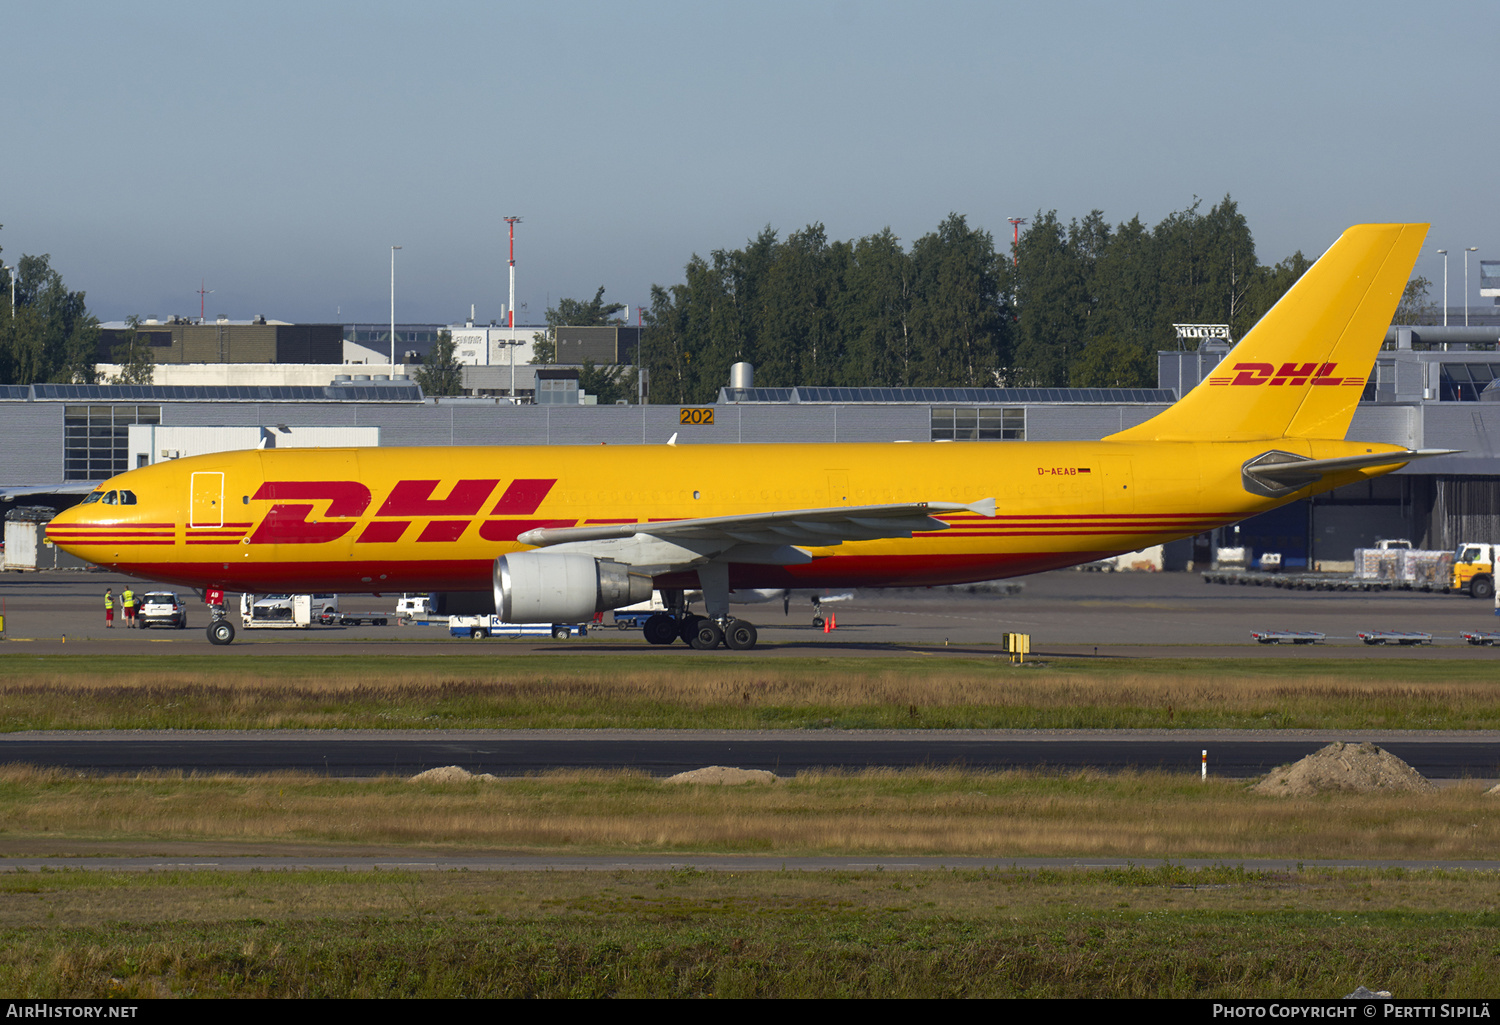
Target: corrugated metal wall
(1464, 509)
(32, 451)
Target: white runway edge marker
(1205, 763)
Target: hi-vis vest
(109, 601)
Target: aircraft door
(206, 504)
(1117, 491)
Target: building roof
(398, 391)
(955, 396)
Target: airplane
(558, 533)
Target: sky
(274, 152)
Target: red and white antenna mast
(203, 293)
(510, 313)
(1016, 223)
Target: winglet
(673, 440)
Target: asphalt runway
(368, 753)
(1067, 613)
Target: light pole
(1444, 254)
(1471, 249)
(393, 311)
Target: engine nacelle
(563, 587)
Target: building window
(95, 439)
(978, 423)
(1462, 382)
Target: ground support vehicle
(285, 611)
(480, 627)
(1288, 636)
(1396, 637)
(633, 617)
(351, 619)
(1481, 637)
(1474, 569)
(161, 608)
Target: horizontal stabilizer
(1274, 473)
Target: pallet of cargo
(1287, 636)
(1396, 637)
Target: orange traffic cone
(833, 622)
(828, 625)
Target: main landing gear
(701, 632)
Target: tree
(1111, 363)
(1051, 297)
(132, 352)
(1414, 307)
(608, 384)
(441, 373)
(956, 313)
(51, 336)
(574, 313)
(571, 313)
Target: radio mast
(510, 313)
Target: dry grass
(590, 691)
(939, 812)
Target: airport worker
(127, 602)
(109, 608)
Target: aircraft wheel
(687, 628)
(707, 635)
(220, 631)
(660, 629)
(818, 622)
(741, 636)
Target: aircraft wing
(770, 538)
(815, 527)
(9, 493)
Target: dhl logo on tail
(1294, 374)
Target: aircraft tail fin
(1300, 371)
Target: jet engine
(563, 587)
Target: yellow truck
(1474, 570)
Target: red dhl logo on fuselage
(287, 521)
(1295, 374)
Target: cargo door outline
(206, 507)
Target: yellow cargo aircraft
(559, 533)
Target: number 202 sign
(695, 416)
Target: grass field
(915, 812)
(483, 690)
(1162, 932)
(1128, 933)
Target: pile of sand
(1344, 767)
(724, 775)
(449, 774)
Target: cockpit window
(93, 497)
(111, 498)
(127, 498)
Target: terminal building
(1432, 387)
